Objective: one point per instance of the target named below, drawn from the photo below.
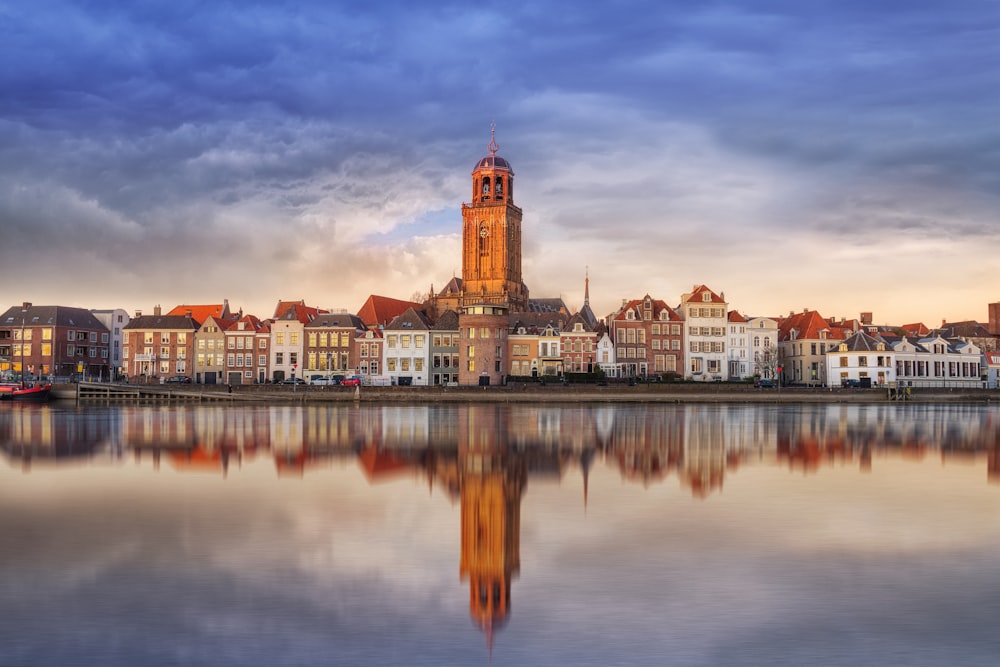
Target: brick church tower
(491, 236)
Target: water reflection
(484, 456)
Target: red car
(353, 381)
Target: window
(418, 364)
(279, 339)
(313, 339)
(279, 358)
(262, 344)
(293, 338)
(404, 341)
(392, 340)
(293, 358)
(418, 340)
(231, 360)
(391, 361)
(843, 362)
(261, 360)
(164, 338)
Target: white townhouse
(705, 316)
(606, 355)
(938, 362)
(861, 357)
(737, 348)
(762, 340)
(406, 350)
(990, 370)
(115, 320)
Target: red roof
(201, 313)
(696, 296)
(808, 325)
(296, 310)
(637, 306)
(734, 316)
(380, 310)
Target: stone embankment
(537, 393)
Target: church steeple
(491, 235)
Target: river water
(505, 535)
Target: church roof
(493, 162)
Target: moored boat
(33, 393)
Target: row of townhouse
(701, 339)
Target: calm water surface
(465, 535)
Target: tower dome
(492, 177)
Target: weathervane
(493, 139)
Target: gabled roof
(697, 296)
(60, 316)
(222, 324)
(337, 321)
(200, 313)
(808, 325)
(637, 306)
(537, 321)
(734, 316)
(548, 305)
(410, 320)
(448, 321)
(381, 310)
(862, 342)
(967, 329)
(915, 329)
(452, 288)
(163, 322)
(250, 323)
(295, 310)
(571, 323)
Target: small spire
(586, 288)
(493, 147)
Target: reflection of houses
(30, 434)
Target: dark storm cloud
(220, 129)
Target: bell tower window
(499, 186)
(486, 187)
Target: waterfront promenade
(514, 393)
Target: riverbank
(537, 393)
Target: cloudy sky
(839, 156)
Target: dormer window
(706, 297)
(629, 315)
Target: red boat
(33, 393)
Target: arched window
(499, 187)
(486, 185)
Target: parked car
(293, 381)
(850, 383)
(178, 379)
(337, 379)
(353, 381)
(322, 381)
(765, 384)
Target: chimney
(138, 313)
(156, 310)
(188, 313)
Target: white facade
(737, 348)
(406, 354)
(938, 362)
(762, 342)
(706, 322)
(606, 356)
(115, 320)
(287, 344)
(860, 358)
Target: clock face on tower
(483, 232)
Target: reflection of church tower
(491, 237)
(491, 488)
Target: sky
(838, 156)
